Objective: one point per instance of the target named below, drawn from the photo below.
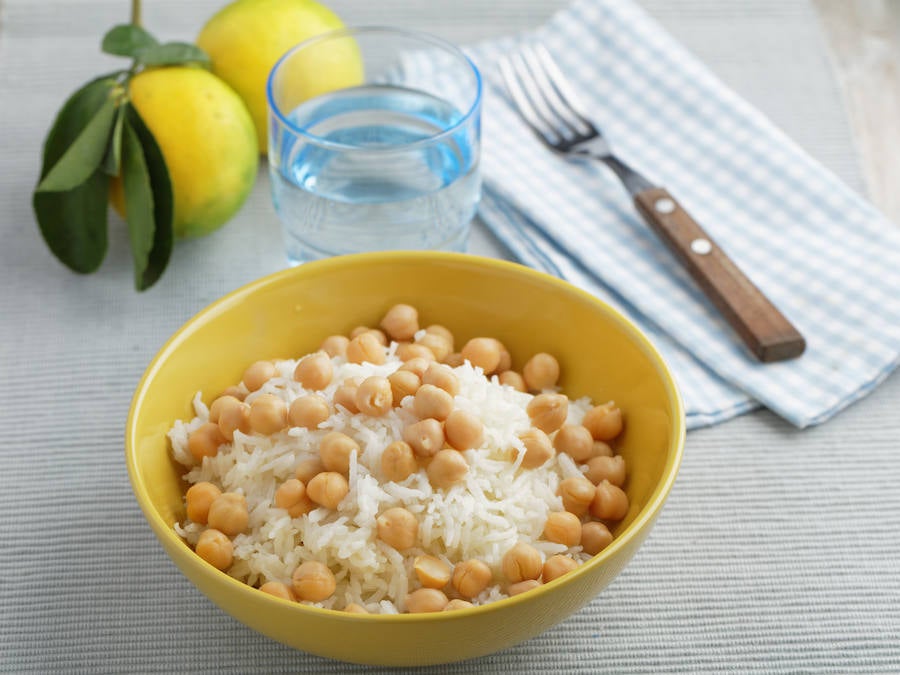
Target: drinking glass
(374, 143)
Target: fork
(550, 106)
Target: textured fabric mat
(776, 552)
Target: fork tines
(548, 103)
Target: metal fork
(550, 106)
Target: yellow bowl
(287, 314)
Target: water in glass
(373, 181)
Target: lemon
(246, 38)
(207, 140)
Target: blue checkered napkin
(824, 256)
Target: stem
(136, 12)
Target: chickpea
(365, 348)
(512, 379)
(401, 322)
(354, 608)
(335, 345)
(456, 603)
(541, 372)
(538, 448)
(610, 502)
(205, 440)
(228, 514)
(215, 548)
(406, 351)
(235, 391)
(345, 396)
(380, 336)
(359, 330)
(314, 371)
(505, 360)
(268, 414)
(397, 527)
(374, 332)
(279, 590)
(257, 374)
(604, 421)
(577, 494)
(442, 377)
(308, 468)
(563, 527)
(482, 353)
(335, 449)
(308, 411)
(438, 345)
(606, 468)
(602, 449)
(522, 587)
(432, 572)
(446, 469)
(548, 411)
(291, 496)
(234, 418)
(328, 489)
(463, 430)
(417, 365)
(575, 441)
(521, 562)
(453, 359)
(198, 499)
(403, 383)
(595, 537)
(470, 577)
(398, 461)
(431, 401)
(556, 566)
(374, 397)
(313, 581)
(216, 407)
(425, 600)
(425, 437)
(441, 331)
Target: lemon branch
(98, 135)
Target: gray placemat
(775, 552)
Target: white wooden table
(777, 551)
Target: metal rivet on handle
(701, 246)
(664, 205)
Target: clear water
(372, 196)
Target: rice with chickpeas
(300, 482)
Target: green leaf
(85, 154)
(138, 202)
(73, 223)
(113, 157)
(163, 202)
(173, 54)
(127, 40)
(74, 116)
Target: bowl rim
(644, 519)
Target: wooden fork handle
(765, 330)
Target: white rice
(496, 506)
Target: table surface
(776, 552)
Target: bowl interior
(289, 313)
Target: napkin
(826, 258)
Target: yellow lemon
(208, 142)
(247, 37)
